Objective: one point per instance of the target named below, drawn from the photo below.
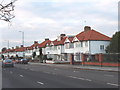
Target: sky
(40, 19)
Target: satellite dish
(7, 11)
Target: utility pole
(7, 47)
(23, 42)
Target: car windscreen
(8, 61)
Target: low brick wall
(101, 64)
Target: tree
(40, 55)
(3, 57)
(7, 11)
(113, 47)
(40, 51)
(34, 54)
(4, 49)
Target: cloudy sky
(40, 19)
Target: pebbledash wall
(95, 46)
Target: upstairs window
(55, 47)
(102, 47)
(81, 44)
(58, 47)
(67, 45)
(71, 45)
(77, 44)
(86, 43)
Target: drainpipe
(61, 53)
(89, 51)
(89, 48)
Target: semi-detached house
(88, 41)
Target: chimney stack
(35, 42)
(12, 47)
(87, 28)
(62, 35)
(46, 39)
(17, 47)
(21, 46)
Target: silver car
(7, 63)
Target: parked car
(7, 63)
(24, 61)
(18, 61)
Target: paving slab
(116, 69)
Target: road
(43, 76)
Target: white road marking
(48, 72)
(31, 69)
(54, 73)
(80, 78)
(11, 72)
(75, 71)
(55, 69)
(88, 79)
(21, 76)
(109, 75)
(113, 84)
(40, 83)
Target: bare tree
(6, 11)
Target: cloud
(49, 18)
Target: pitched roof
(34, 45)
(70, 39)
(29, 48)
(91, 35)
(43, 44)
(61, 42)
(20, 49)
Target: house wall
(95, 46)
(68, 50)
(37, 51)
(48, 50)
(20, 54)
(54, 49)
(44, 51)
(81, 49)
(28, 53)
(12, 54)
(5, 54)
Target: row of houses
(88, 41)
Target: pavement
(99, 68)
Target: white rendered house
(89, 41)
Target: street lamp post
(7, 46)
(23, 42)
